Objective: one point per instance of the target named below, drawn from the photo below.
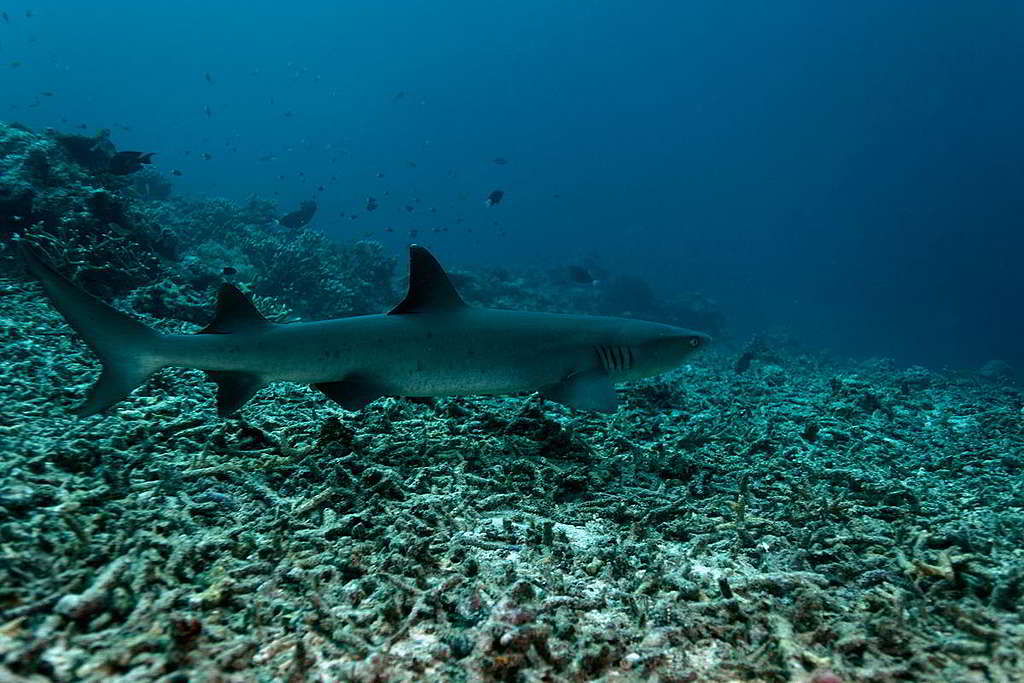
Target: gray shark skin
(430, 344)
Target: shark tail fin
(126, 347)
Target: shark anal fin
(588, 390)
(430, 290)
(352, 393)
(234, 389)
(235, 313)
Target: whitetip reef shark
(430, 344)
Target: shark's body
(431, 344)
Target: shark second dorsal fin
(430, 290)
(235, 313)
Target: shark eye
(695, 342)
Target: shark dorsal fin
(235, 313)
(430, 290)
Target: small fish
(126, 163)
(28, 14)
(494, 198)
(229, 271)
(208, 111)
(206, 156)
(371, 204)
(175, 172)
(398, 95)
(6, 18)
(15, 64)
(209, 78)
(500, 161)
(46, 93)
(410, 208)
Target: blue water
(850, 172)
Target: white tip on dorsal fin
(430, 290)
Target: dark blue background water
(852, 172)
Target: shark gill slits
(615, 358)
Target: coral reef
(802, 520)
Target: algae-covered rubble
(806, 519)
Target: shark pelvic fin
(235, 313)
(352, 393)
(430, 290)
(234, 389)
(588, 390)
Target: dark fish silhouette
(126, 163)
(743, 362)
(581, 275)
(494, 198)
(371, 204)
(500, 161)
(297, 219)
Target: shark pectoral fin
(588, 390)
(352, 393)
(234, 389)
